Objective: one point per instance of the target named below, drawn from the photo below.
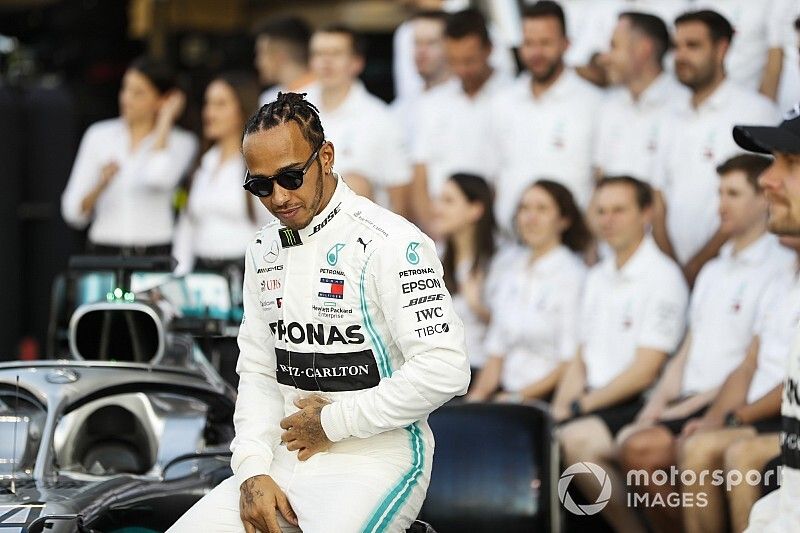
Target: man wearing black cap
(779, 511)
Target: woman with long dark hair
(127, 168)
(220, 217)
(535, 308)
(464, 218)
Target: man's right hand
(259, 496)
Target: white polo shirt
(452, 131)
(699, 140)
(551, 136)
(643, 304)
(776, 326)
(723, 309)
(136, 207)
(756, 30)
(535, 313)
(367, 140)
(632, 133)
(215, 224)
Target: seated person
(723, 310)
(632, 317)
(533, 332)
(463, 217)
(740, 429)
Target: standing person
(778, 511)
(535, 307)
(351, 369)
(408, 81)
(755, 58)
(373, 160)
(453, 117)
(127, 168)
(431, 64)
(698, 143)
(632, 318)
(282, 57)
(723, 311)
(633, 117)
(545, 123)
(220, 219)
(463, 217)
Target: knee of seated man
(700, 449)
(743, 454)
(646, 448)
(580, 439)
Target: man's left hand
(303, 430)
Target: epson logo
(421, 285)
(427, 314)
(316, 333)
(327, 219)
(424, 299)
(270, 269)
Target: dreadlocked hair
(289, 107)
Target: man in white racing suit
(779, 510)
(349, 341)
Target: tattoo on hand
(249, 494)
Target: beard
(697, 78)
(548, 73)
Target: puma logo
(364, 244)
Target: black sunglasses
(291, 179)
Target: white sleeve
(436, 367)
(259, 404)
(392, 165)
(84, 176)
(664, 317)
(165, 168)
(571, 295)
(182, 249)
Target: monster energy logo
(289, 237)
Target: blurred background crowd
(601, 232)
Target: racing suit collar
(340, 197)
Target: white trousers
(359, 485)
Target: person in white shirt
(463, 217)
(407, 80)
(778, 511)
(698, 141)
(592, 22)
(755, 58)
(544, 124)
(723, 310)
(453, 117)
(281, 57)
(739, 432)
(127, 168)
(431, 64)
(534, 310)
(371, 157)
(632, 318)
(632, 119)
(220, 217)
